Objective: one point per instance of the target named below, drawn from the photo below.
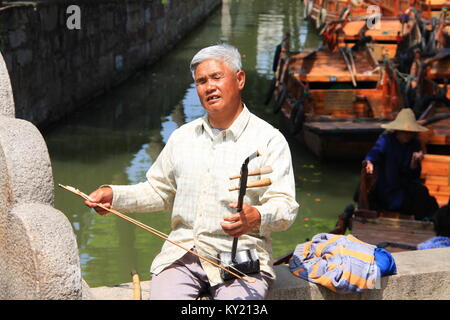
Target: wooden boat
(397, 232)
(390, 230)
(443, 33)
(437, 139)
(392, 35)
(436, 176)
(334, 101)
(433, 8)
(427, 8)
(434, 93)
(321, 12)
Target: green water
(115, 139)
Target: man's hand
(103, 195)
(237, 224)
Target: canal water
(117, 137)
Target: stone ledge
(422, 275)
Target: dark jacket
(392, 161)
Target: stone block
(27, 160)
(422, 274)
(106, 65)
(147, 15)
(7, 107)
(5, 194)
(107, 19)
(135, 20)
(17, 38)
(24, 56)
(86, 291)
(38, 254)
(49, 17)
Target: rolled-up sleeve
(278, 206)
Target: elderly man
(191, 178)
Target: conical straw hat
(405, 121)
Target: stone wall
(422, 275)
(54, 69)
(38, 249)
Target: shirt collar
(236, 128)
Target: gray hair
(223, 52)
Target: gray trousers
(186, 280)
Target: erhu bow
(227, 269)
(151, 230)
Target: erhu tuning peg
(260, 171)
(260, 183)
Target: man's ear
(240, 76)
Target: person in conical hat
(405, 121)
(396, 159)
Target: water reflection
(226, 20)
(191, 105)
(139, 165)
(117, 137)
(270, 33)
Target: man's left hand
(237, 224)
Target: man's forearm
(277, 215)
(141, 197)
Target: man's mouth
(212, 98)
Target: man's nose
(210, 86)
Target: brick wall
(54, 70)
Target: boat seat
(436, 176)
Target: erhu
(245, 261)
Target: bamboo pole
(137, 294)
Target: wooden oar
(153, 231)
(352, 60)
(349, 67)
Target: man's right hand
(104, 196)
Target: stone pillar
(7, 107)
(38, 249)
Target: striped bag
(340, 263)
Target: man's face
(218, 87)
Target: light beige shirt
(191, 178)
